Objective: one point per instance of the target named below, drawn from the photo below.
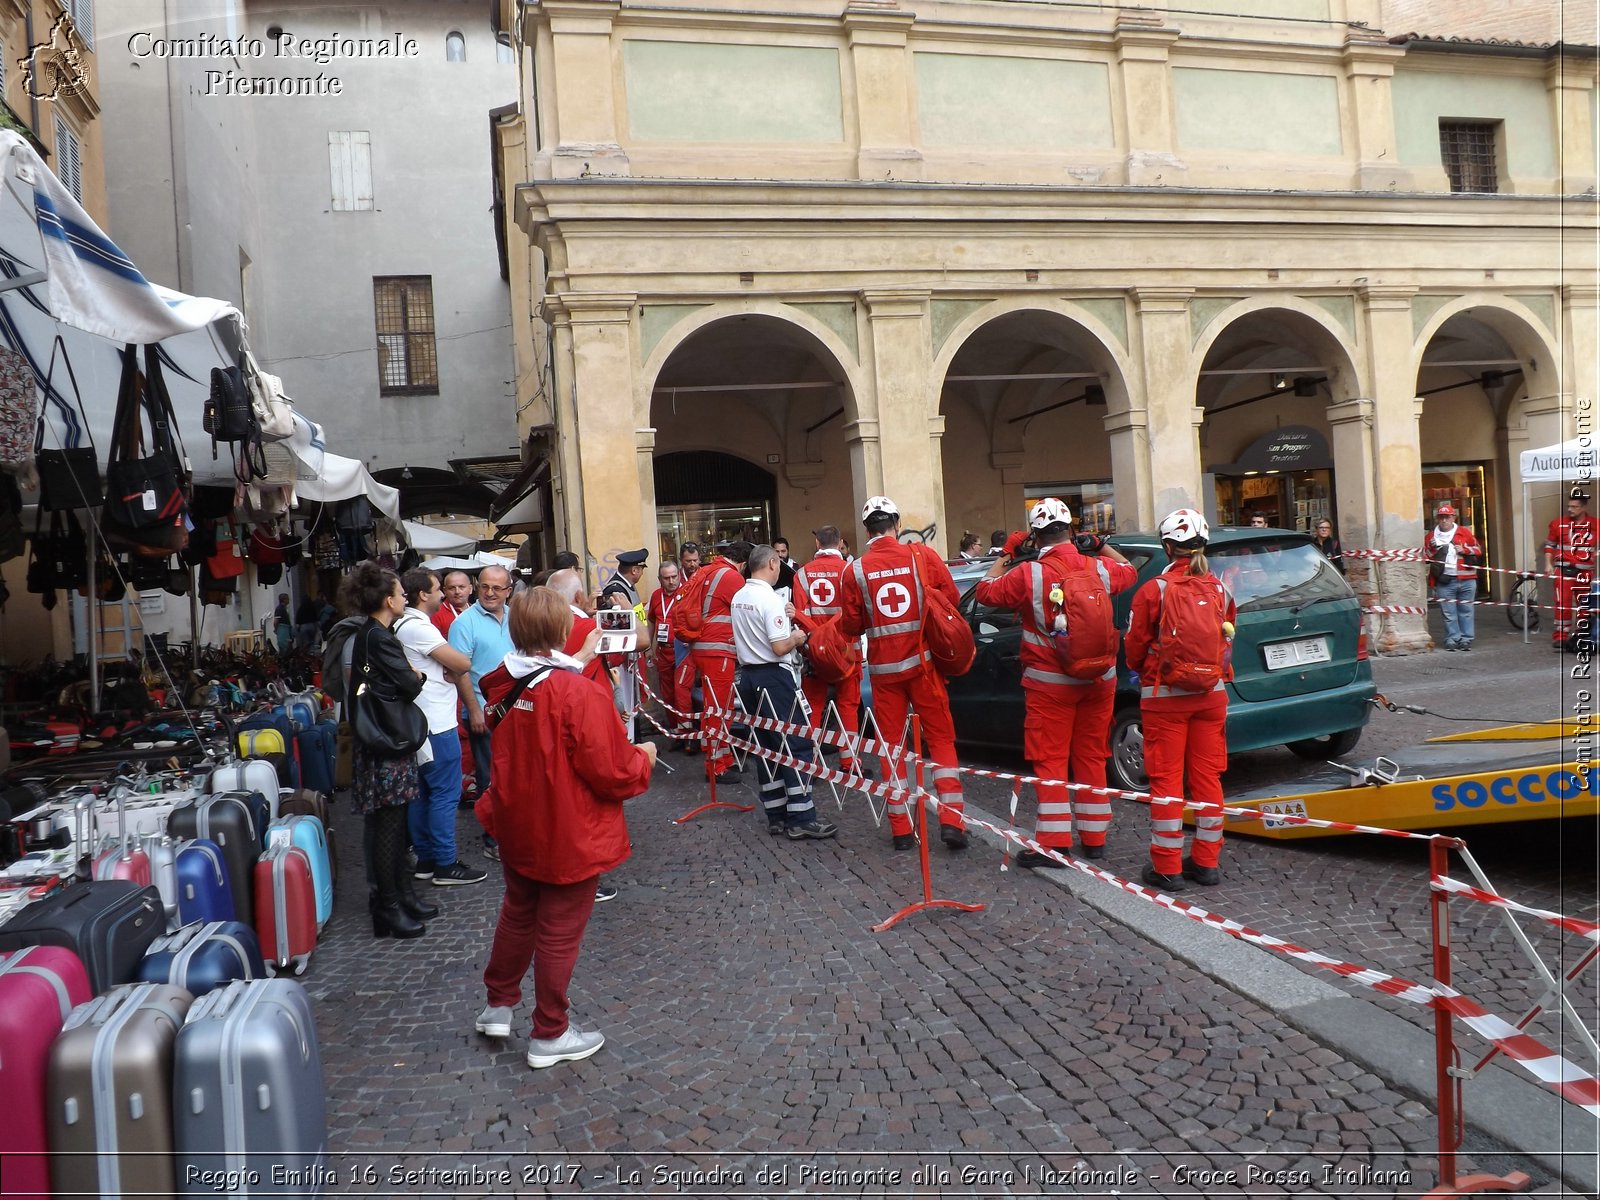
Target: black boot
(392, 920)
(413, 903)
(389, 917)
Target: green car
(1301, 674)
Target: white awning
(340, 478)
(1564, 462)
(429, 539)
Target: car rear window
(1274, 574)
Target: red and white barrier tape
(1584, 929)
(1387, 609)
(1414, 555)
(1568, 1080)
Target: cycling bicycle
(1526, 590)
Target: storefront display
(1464, 486)
(1285, 476)
(708, 524)
(1093, 506)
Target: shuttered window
(82, 14)
(408, 357)
(350, 165)
(69, 159)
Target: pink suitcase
(125, 859)
(39, 986)
(286, 908)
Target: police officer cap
(633, 558)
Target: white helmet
(1185, 528)
(878, 506)
(1048, 512)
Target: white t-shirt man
(439, 697)
(758, 621)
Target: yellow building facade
(768, 264)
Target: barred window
(1470, 150)
(408, 358)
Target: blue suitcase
(317, 749)
(201, 958)
(229, 822)
(252, 1102)
(302, 711)
(204, 891)
(308, 834)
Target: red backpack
(1191, 647)
(944, 630)
(689, 613)
(1087, 647)
(833, 657)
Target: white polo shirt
(758, 621)
(439, 698)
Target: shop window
(350, 167)
(1464, 486)
(455, 47)
(408, 357)
(1470, 152)
(1093, 505)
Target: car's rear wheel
(1125, 767)
(1323, 748)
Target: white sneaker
(572, 1045)
(494, 1022)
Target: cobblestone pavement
(755, 1023)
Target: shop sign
(1291, 448)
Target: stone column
(581, 93)
(1356, 484)
(1397, 441)
(566, 482)
(1142, 44)
(1569, 81)
(885, 147)
(912, 474)
(1130, 470)
(608, 444)
(1165, 344)
(1580, 348)
(1369, 71)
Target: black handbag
(230, 416)
(145, 491)
(60, 555)
(383, 722)
(69, 477)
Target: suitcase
(260, 811)
(123, 858)
(205, 892)
(286, 767)
(317, 752)
(108, 925)
(258, 743)
(314, 804)
(110, 1093)
(304, 711)
(286, 908)
(250, 775)
(39, 987)
(252, 1101)
(227, 821)
(162, 852)
(201, 958)
(308, 834)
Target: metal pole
(194, 621)
(92, 607)
(1525, 592)
(1444, 1041)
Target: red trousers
(716, 687)
(1567, 590)
(925, 693)
(1177, 740)
(683, 691)
(469, 772)
(1066, 736)
(847, 696)
(542, 924)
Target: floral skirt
(380, 782)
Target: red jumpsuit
(659, 611)
(1066, 734)
(714, 658)
(817, 595)
(1570, 545)
(883, 600)
(1183, 731)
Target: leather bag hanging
(230, 416)
(383, 722)
(59, 558)
(226, 561)
(69, 477)
(19, 408)
(147, 501)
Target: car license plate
(1290, 808)
(1283, 655)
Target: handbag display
(147, 491)
(230, 416)
(19, 408)
(69, 477)
(226, 561)
(59, 556)
(382, 721)
(274, 413)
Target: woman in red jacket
(562, 768)
(1179, 642)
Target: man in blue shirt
(483, 633)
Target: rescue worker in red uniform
(1569, 555)
(1067, 730)
(659, 614)
(684, 676)
(1181, 629)
(882, 594)
(715, 657)
(818, 595)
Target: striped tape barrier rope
(1584, 929)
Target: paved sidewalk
(754, 1022)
